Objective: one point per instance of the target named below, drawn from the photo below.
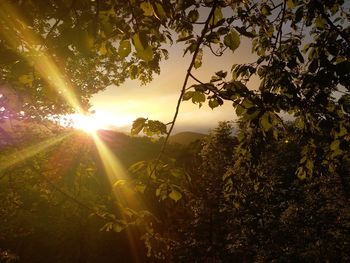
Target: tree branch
(330, 23)
(183, 89)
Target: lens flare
(21, 155)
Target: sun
(99, 120)
(89, 123)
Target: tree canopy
(54, 55)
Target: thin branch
(56, 23)
(183, 89)
(320, 8)
(279, 32)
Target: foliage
(54, 55)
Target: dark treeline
(59, 206)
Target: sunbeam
(21, 155)
(125, 197)
(112, 165)
(16, 29)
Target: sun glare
(88, 123)
(98, 121)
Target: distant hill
(186, 137)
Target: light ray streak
(19, 34)
(125, 196)
(22, 155)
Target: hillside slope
(186, 137)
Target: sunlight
(21, 155)
(96, 121)
(114, 169)
(117, 177)
(88, 123)
(35, 54)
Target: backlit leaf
(232, 40)
(147, 8)
(175, 195)
(124, 48)
(198, 60)
(137, 126)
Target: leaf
(119, 183)
(301, 173)
(124, 48)
(146, 54)
(216, 17)
(290, 4)
(103, 50)
(140, 188)
(140, 41)
(119, 226)
(175, 195)
(213, 103)
(198, 97)
(239, 110)
(147, 8)
(232, 40)
(265, 123)
(188, 95)
(335, 145)
(177, 173)
(221, 74)
(138, 125)
(159, 11)
(198, 60)
(193, 16)
(26, 79)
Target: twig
(330, 23)
(183, 89)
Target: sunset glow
(98, 121)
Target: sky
(157, 100)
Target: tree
(77, 48)
(302, 48)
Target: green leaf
(232, 40)
(175, 195)
(147, 8)
(301, 173)
(290, 4)
(216, 17)
(239, 110)
(265, 10)
(103, 50)
(119, 226)
(265, 123)
(119, 183)
(140, 41)
(213, 103)
(188, 95)
(26, 79)
(221, 74)
(198, 97)
(124, 48)
(193, 16)
(138, 125)
(140, 188)
(198, 60)
(159, 11)
(335, 145)
(146, 54)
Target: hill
(186, 137)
